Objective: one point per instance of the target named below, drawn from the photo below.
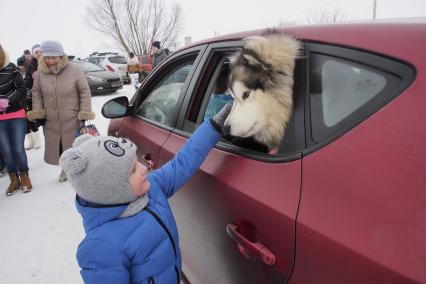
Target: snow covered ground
(40, 230)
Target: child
(131, 235)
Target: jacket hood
(42, 65)
(161, 51)
(96, 216)
(6, 58)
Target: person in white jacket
(133, 69)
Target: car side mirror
(116, 108)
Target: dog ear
(73, 161)
(251, 60)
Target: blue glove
(218, 120)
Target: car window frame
(372, 60)
(151, 81)
(254, 155)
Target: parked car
(145, 63)
(100, 80)
(343, 200)
(111, 61)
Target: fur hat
(156, 44)
(99, 167)
(52, 48)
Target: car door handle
(149, 163)
(249, 249)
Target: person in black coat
(13, 124)
(158, 53)
(33, 136)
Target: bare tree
(287, 23)
(134, 24)
(324, 17)
(319, 17)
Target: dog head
(261, 82)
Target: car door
(236, 216)
(360, 209)
(157, 103)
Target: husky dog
(261, 82)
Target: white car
(111, 62)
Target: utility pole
(374, 9)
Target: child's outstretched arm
(180, 169)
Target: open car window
(210, 97)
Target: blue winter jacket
(143, 248)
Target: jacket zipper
(158, 219)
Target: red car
(145, 63)
(343, 200)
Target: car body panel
(365, 209)
(350, 210)
(148, 137)
(231, 189)
(363, 198)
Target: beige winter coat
(63, 99)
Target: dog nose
(226, 129)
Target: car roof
(395, 37)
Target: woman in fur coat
(61, 96)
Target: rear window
(343, 92)
(95, 60)
(89, 67)
(118, 59)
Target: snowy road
(40, 231)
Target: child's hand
(218, 120)
(138, 179)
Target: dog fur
(261, 81)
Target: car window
(89, 67)
(160, 104)
(339, 89)
(95, 60)
(214, 98)
(118, 59)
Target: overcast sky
(25, 23)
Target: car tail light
(109, 68)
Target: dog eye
(246, 94)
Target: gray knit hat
(99, 167)
(52, 48)
(35, 48)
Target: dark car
(343, 200)
(100, 80)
